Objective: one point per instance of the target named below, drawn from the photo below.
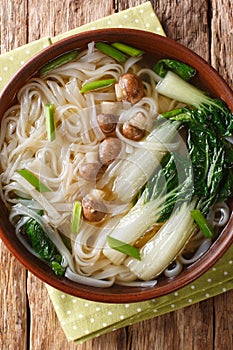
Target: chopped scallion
(33, 180)
(59, 61)
(202, 223)
(111, 51)
(50, 123)
(129, 50)
(76, 217)
(96, 85)
(123, 247)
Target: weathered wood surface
(28, 320)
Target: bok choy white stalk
(176, 88)
(169, 186)
(132, 226)
(138, 167)
(165, 245)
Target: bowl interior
(155, 47)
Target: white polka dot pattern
(82, 320)
(12, 61)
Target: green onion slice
(96, 85)
(123, 247)
(76, 217)
(202, 223)
(59, 61)
(129, 50)
(49, 119)
(111, 51)
(33, 180)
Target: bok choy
(138, 167)
(165, 245)
(183, 70)
(43, 246)
(169, 187)
(208, 122)
(210, 153)
(183, 91)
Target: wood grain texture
(13, 303)
(188, 328)
(222, 38)
(28, 320)
(62, 16)
(187, 23)
(13, 17)
(223, 321)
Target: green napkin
(82, 319)
(11, 61)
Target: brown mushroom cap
(107, 122)
(91, 171)
(94, 209)
(109, 150)
(131, 87)
(132, 132)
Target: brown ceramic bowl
(157, 47)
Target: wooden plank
(222, 38)
(187, 23)
(184, 21)
(45, 329)
(13, 24)
(62, 16)
(187, 328)
(13, 303)
(223, 316)
(46, 332)
(222, 60)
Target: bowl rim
(197, 269)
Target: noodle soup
(99, 174)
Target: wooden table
(28, 320)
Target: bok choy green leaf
(43, 246)
(183, 70)
(210, 153)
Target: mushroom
(94, 209)
(91, 171)
(134, 129)
(129, 88)
(107, 122)
(132, 132)
(109, 150)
